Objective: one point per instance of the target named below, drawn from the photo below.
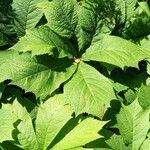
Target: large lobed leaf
(90, 92)
(41, 75)
(116, 51)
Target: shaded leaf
(41, 75)
(26, 16)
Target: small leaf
(145, 7)
(116, 143)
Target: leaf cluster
(74, 75)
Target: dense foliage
(74, 74)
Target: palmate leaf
(90, 92)
(27, 15)
(41, 75)
(116, 51)
(43, 40)
(53, 115)
(133, 124)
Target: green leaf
(78, 136)
(26, 135)
(133, 124)
(116, 51)
(7, 145)
(61, 16)
(41, 41)
(51, 117)
(126, 8)
(144, 96)
(116, 143)
(145, 7)
(134, 32)
(145, 43)
(41, 75)
(145, 145)
(90, 92)
(130, 95)
(128, 78)
(87, 23)
(3, 40)
(6, 24)
(130, 8)
(7, 119)
(27, 15)
(71, 19)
